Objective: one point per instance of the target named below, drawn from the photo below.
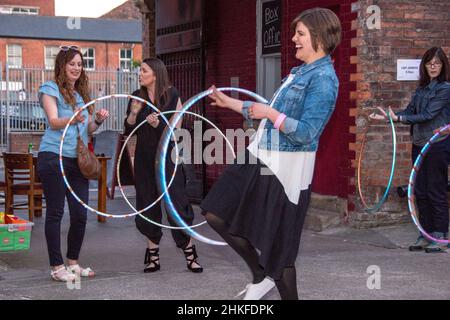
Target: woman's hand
(258, 111)
(446, 131)
(136, 106)
(384, 115)
(153, 120)
(79, 118)
(220, 99)
(101, 115)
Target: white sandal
(81, 272)
(62, 275)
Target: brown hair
(162, 81)
(324, 27)
(437, 52)
(81, 85)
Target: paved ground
(331, 265)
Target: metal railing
(19, 104)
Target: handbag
(88, 163)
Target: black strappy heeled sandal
(188, 252)
(151, 263)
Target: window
(19, 10)
(126, 55)
(50, 55)
(89, 58)
(14, 54)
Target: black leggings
(287, 285)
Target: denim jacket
(308, 102)
(427, 111)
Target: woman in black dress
(156, 88)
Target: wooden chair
(20, 179)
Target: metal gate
(19, 104)
(186, 73)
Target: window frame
(126, 60)
(86, 59)
(19, 10)
(8, 57)
(54, 58)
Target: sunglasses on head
(67, 48)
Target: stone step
(319, 220)
(328, 203)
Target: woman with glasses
(427, 112)
(60, 98)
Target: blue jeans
(55, 192)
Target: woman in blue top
(60, 98)
(427, 112)
(262, 203)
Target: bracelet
(279, 120)
(98, 122)
(245, 106)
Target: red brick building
(126, 11)
(30, 35)
(38, 7)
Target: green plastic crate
(15, 237)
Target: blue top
(52, 138)
(308, 101)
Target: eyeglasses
(436, 64)
(67, 48)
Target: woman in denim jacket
(428, 111)
(261, 203)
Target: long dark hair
(81, 85)
(445, 71)
(162, 82)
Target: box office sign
(271, 27)
(408, 69)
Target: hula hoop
(378, 205)
(173, 174)
(163, 147)
(412, 180)
(61, 157)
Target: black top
(147, 136)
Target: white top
(294, 170)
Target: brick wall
(19, 141)
(408, 29)
(46, 7)
(231, 52)
(147, 10)
(126, 11)
(33, 52)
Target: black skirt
(256, 207)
